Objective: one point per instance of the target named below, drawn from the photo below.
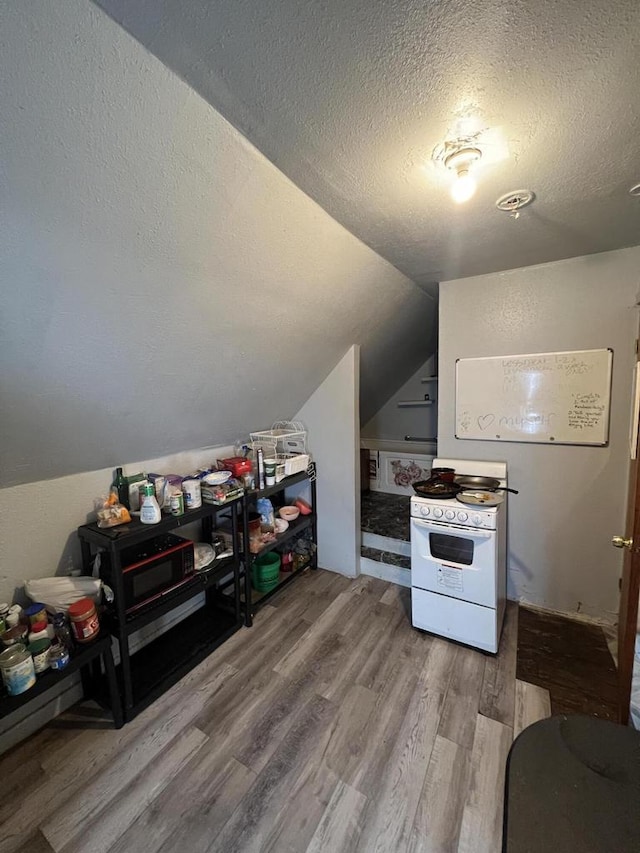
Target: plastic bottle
(260, 469)
(13, 616)
(62, 630)
(150, 508)
(41, 631)
(121, 486)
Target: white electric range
(458, 562)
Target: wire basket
(284, 438)
(286, 442)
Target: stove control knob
(449, 515)
(462, 516)
(437, 512)
(477, 519)
(425, 510)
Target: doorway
(398, 444)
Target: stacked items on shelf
(152, 572)
(148, 496)
(52, 638)
(278, 519)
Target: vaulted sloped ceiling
(164, 286)
(350, 97)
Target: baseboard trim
(566, 614)
(392, 574)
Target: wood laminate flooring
(331, 725)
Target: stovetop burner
(443, 507)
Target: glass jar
(58, 656)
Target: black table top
(573, 786)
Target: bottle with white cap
(4, 612)
(150, 508)
(13, 616)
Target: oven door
(456, 561)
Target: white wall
(572, 499)
(332, 420)
(163, 282)
(393, 422)
(39, 520)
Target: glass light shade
(463, 187)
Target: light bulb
(463, 187)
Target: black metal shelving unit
(251, 599)
(146, 674)
(83, 658)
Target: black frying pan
(436, 489)
(487, 484)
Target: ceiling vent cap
(515, 200)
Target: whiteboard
(559, 397)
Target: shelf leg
(114, 693)
(248, 614)
(248, 559)
(314, 523)
(235, 518)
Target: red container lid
(39, 626)
(81, 609)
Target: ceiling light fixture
(635, 191)
(460, 161)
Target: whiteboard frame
(550, 440)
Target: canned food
(84, 620)
(18, 672)
(192, 494)
(17, 634)
(39, 651)
(176, 503)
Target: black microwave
(154, 569)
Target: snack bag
(109, 512)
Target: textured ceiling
(349, 98)
(165, 287)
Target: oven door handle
(470, 532)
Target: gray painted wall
(165, 287)
(335, 444)
(572, 499)
(394, 422)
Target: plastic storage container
(266, 572)
(84, 620)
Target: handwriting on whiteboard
(490, 420)
(588, 411)
(561, 397)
